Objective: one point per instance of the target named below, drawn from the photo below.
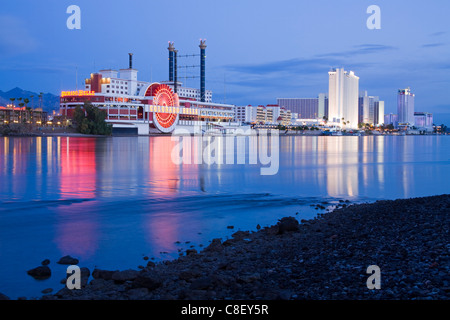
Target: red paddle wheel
(163, 96)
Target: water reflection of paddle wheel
(164, 97)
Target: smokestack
(175, 67)
(171, 52)
(131, 60)
(202, 69)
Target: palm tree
(20, 112)
(27, 101)
(12, 100)
(41, 94)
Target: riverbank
(323, 258)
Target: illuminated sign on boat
(79, 93)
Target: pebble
(4, 297)
(46, 262)
(68, 260)
(40, 273)
(46, 291)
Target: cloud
(314, 65)
(362, 49)
(438, 34)
(33, 68)
(14, 37)
(433, 45)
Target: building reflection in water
(162, 226)
(76, 226)
(78, 168)
(353, 165)
(337, 167)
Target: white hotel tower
(405, 107)
(343, 98)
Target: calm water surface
(112, 201)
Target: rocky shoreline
(325, 258)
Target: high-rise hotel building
(343, 96)
(405, 107)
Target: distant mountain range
(49, 103)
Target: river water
(111, 201)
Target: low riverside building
(270, 114)
(423, 121)
(12, 114)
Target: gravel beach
(323, 258)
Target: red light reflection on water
(78, 168)
(163, 227)
(77, 229)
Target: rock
(126, 275)
(284, 295)
(250, 278)
(46, 291)
(103, 274)
(201, 283)
(239, 235)
(146, 280)
(150, 264)
(288, 224)
(191, 251)
(215, 245)
(137, 293)
(85, 274)
(3, 297)
(230, 227)
(68, 260)
(46, 262)
(40, 273)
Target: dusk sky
(257, 51)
